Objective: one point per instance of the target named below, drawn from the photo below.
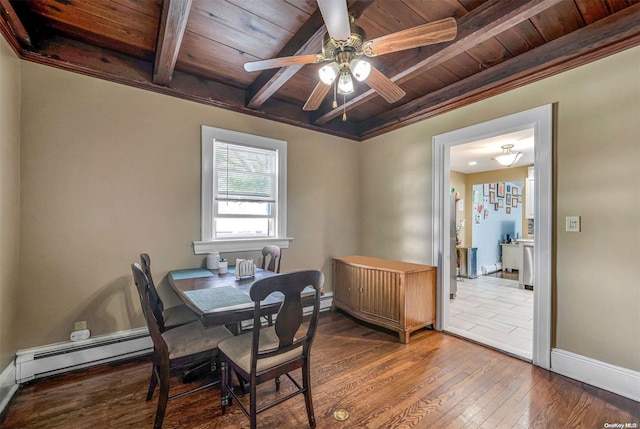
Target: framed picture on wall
(514, 202)
(508, 210)
(500, 202)
(508, 199)
(495, 206)
(492, 186)
(514, 190)
(501, 189)
(485, 189)
(508, 189)
(492, 197)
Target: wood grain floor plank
(435, 381)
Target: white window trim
(207, 243)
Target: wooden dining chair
(175, 349)
(172, 316)
(267, 353)
(273, 255)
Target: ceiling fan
(345, 44)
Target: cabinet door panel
(344, 281)
(380, 293)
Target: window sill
(239, 245)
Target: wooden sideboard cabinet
(400, 296)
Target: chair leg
(306, 384)
(164, 376)
(226, 398)
(153, 382)
(277, 384)
(253, 405)
(244, 384)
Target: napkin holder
(245, 268)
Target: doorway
(491, 304)
(540, 120)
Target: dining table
(221, 299)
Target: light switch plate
(572, 224)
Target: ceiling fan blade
(384, 86)
(281, 62)
(316, 97)
(336, 18)
(422, 35)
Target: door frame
(541, 119)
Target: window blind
(244, 173)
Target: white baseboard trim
(68, 356)
(623, 381)
(8, 385)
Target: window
(243, 191)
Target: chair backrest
(152, 314)
(289, 318)
(145, 263)
(274, 255)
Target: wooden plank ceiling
(196, 49)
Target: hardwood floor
(435, 381)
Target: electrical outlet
(572, 224)
(79, 326)
(80, 335)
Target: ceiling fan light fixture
(328, 73)
(345, 83)
(508, 158)
(360, 69)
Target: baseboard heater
(491, 268)
(58, 358)
(64, 357)
(326, 301)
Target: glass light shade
(360, 69)
(508, 158)
(328, 73)
(345, 84)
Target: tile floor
(494, 311)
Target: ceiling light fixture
(345, 83)
(508, 158)
(329, 73)
(360, 69)
(340, 73)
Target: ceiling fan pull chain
(335, 89)
(344, 109)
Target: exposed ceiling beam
(17, 31)
(305, 41)
(97, 62)
(612, 34)
(173, 22)
(479, 25)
